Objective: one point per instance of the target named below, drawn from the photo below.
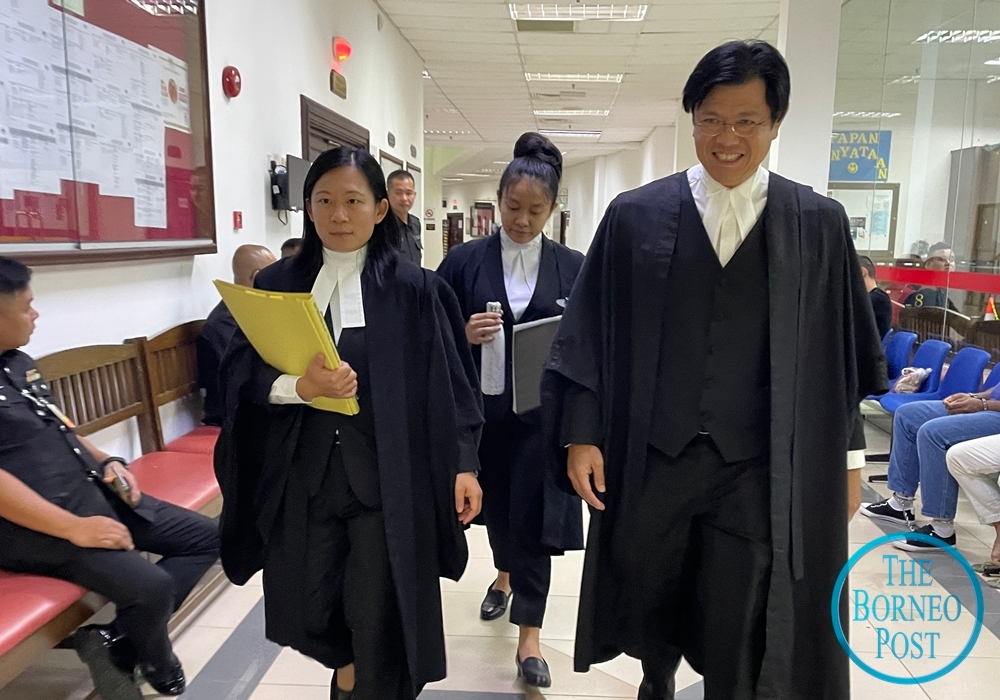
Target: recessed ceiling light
(570, 132)
(605, 12)
(473, 174)
(445, 132)
(572, 112)
(427, 75)
(994, 62)
(575, 77)
(959, 36)
(501, 162)
(905, 80)
(167, 7)
(867, 115)
(451, 179)
(992, 79)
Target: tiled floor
(226, 639)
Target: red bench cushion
(28, 603)
(199, 441)
(184, 479)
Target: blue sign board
(860, 156)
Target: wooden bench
(170, 361)
(98, 387)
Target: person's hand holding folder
(340, 383)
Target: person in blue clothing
(923, 432)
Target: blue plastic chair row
(965, 374)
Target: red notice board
(104, 136)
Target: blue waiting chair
(993, 379)
(965, 375)
(898, 349)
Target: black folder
(530, 349)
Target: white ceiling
(477, 60)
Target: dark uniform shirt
(212, 344)
(39, 448)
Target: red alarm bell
(232, 83)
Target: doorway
(563, 226)
(323, 129)
(456, 229)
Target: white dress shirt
(728, 214)
(337, 288)
(521, 262)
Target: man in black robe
(218, 330)
(706, 379)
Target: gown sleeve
(457, 375)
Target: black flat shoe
(534, 672)
(93, 644)
(168, 680)
(336, 693)
(494, 604)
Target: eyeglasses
(744, 128)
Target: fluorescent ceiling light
(572, 112)
(575, 77)
(994, 62)
(605, 12)
(867, 115)
(443, 132)
(992, 79)
(905, 80)
(501, 162)
(959, 36)
(427, 76)
(473, 174)
(167, 7)
(570, 132)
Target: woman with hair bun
(527, 518)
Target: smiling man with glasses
(706, 379)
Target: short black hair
(398, 175)
(292, 243)
(535, 157)
(738, 63)
(14, 276)
(940, 245)
(867, 264)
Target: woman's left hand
(468, 497)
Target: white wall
(593, 184)
(282, 50)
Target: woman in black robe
(354, 518)
(527, 517)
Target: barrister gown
(825, 357)
(475, 271)
(427, 417)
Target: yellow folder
(287, 331)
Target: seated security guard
(65, 512)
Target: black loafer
(93, 645)
(336, 693)
(494, 604)
(534, 672)
(168, 680)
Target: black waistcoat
(355, 435)
(714, 370)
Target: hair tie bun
(536, 147)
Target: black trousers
(349, 577)
(145, 594)
(698, 567)
(512, 457)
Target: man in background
(881, 303)
(402, 195)
(291, 248)
(248, 260)
(70, 511)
